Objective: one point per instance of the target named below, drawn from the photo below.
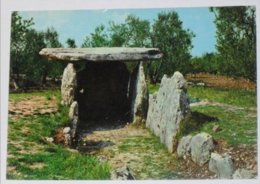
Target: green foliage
(19, 29)
(207, 63)
(97, 39)
(166, 33)
(26, 44)
(153, 88)
(236, 40)
(71, 43)
(133, 33)
(174, 42)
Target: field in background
(218, 81)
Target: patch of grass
(238, 97)
(59, 164)
(48, 94)
(26, 148)
(155, 160)
(153, 88)
(237, 127)
(193, 122)
(152, 142)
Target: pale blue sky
(78, 24)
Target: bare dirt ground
(211, 80)
(35, 105)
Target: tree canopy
(235, 44)
(236, 40)
(166, 33)
(26, 44)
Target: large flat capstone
(101, 54)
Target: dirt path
(135, 148)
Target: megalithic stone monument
(105, 87)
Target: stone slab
(101, 54)
(167, 108)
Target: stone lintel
(101, 54)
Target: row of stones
(201, 147)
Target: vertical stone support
(167, 108)
(68, 85)
(74, 121)
(138, 94)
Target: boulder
(201, 147)
(168, 108)
(184, 146)
(123, 173)
(242, 174)
(139, 95)
(222, 165)
(66, 130)
(68, 85)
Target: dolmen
(100, 83)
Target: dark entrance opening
(103, 95)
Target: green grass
(237, 97)
(58, 163)
(239, 126)
(26, 148)
(154, 157)
(153, 88)
(48, 94)
(135, 142)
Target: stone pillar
(168, 108)
(68, 85)
(138, 94)
(74, 121)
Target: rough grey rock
(68, 85)
(66, 130)
(168, 108)
(184, 146)
(74, 126)
(139, 95)
(216, 128)
(222, 165)
(242, 174)
(67, 136)
(201, 147)
(73, 110)
(102, 54)
(123, 173)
